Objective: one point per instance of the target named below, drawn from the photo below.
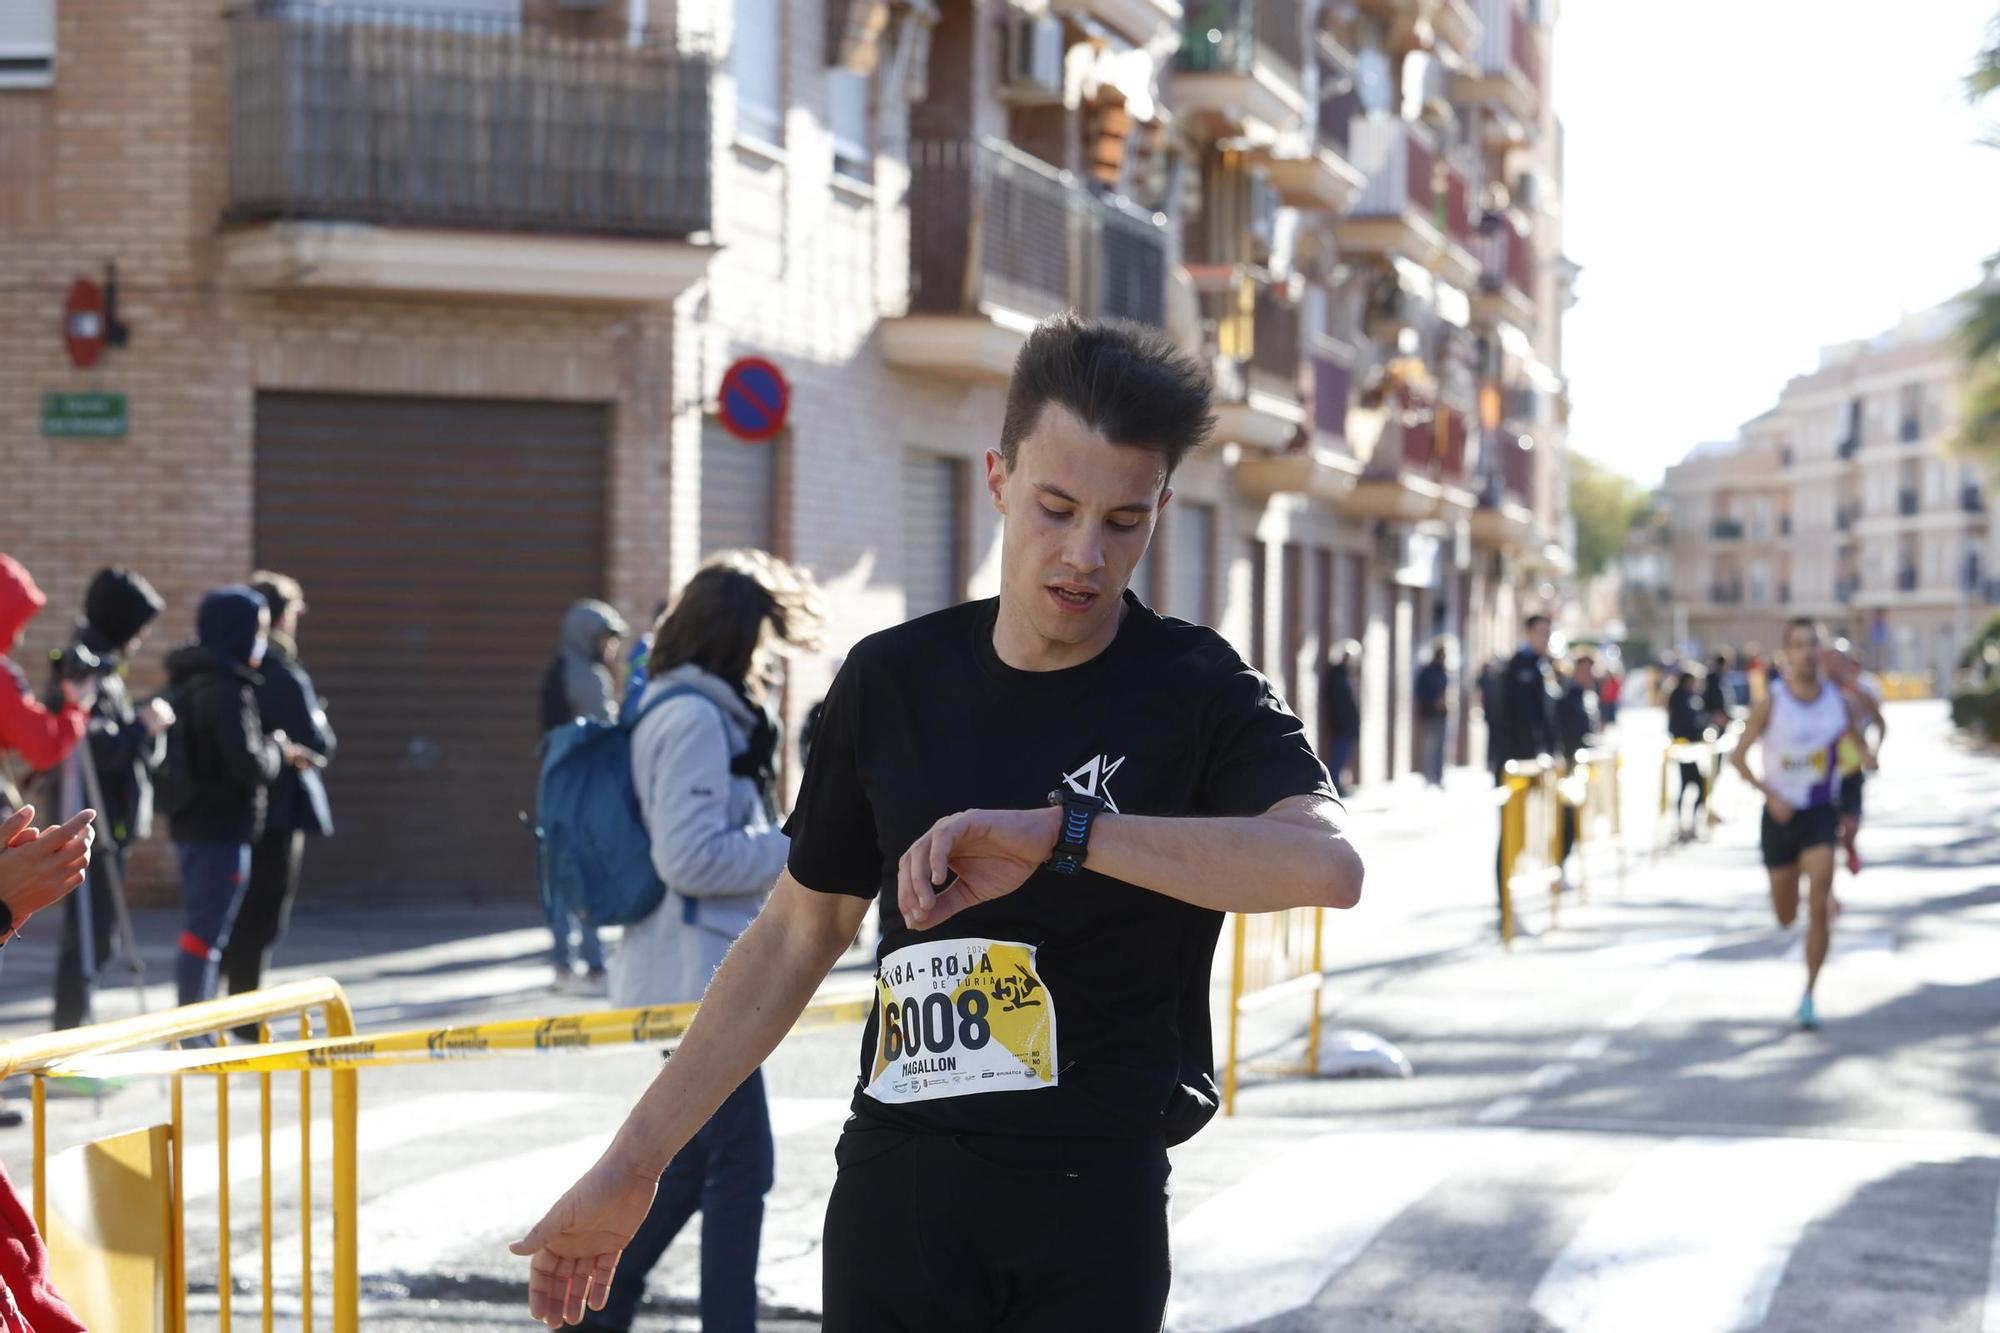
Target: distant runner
(1858, 758)
(1801, 722)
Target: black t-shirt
(1104, 982)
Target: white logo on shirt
(1094, 779)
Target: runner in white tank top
(1801, 722)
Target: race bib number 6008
(961, 1016)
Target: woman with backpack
(704, 767)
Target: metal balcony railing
(1726, 529)
(993, 227)
(1726, 594)
(1232, 36)
(1333, 388)
(1434, 445)
(341, 113)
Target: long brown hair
(719, 620)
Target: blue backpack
(596, 855)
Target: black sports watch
(1079, 813)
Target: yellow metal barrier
(1901, 686)
(1273, 956)
(1592, 790)
(1709, 755)
(1530, 836)
(132, 1298)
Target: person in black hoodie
(298, 807)
(1688, 719)
(126, 746)
(219, 765)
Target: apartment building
(428, 303)
(1842, 503)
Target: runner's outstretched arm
(1292, 855)
(757, 994)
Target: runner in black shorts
(1052, 797)
(1802, 722)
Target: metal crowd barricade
(136, 1183)
(1594, 791)
(1530, 836)
(1709, 755)
(1274, 956)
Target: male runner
(1801, 720)
(1053, 796)
(1857, 758)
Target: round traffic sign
(755, 399)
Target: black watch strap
(1073, 843)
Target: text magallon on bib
(962, 1016)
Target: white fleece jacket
(713, 846)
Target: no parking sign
(755, 400)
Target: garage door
(933, 534)
(439, 542)
(739, 493)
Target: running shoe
(1807, 1017)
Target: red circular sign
(84, 325)
(755, 399)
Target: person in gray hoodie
(578, 685)
(704, 768)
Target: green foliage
(1978, 711)
(1987, 638)
(1606, 504)
(1979, 430)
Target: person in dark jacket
(297, 806)
(1688, 720)
(1434, 713)
(126, 745)
(1718, 697)
(214, 790)
(1578, 724)
(1526, 725)
(1339, 712)
(1521, 717)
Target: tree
(1979, 428)
(1606, 504)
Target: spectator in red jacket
(42, 739)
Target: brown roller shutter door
(439, 542)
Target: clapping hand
(39, 866)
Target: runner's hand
(1781, 809)
(977, 855)
(39, 866)
(574, 1250)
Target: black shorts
(1850, 795)
(995, 1234)
(1814, 826)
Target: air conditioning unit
(1033, 51)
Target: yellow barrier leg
(177, 1268)
(346, 1201)
(1319, 974)
(41, 1134)
(1512, 816)
(305, 1185)
(1235, 1006)
(1552, 806)
(264, 1140)
(224, 1285)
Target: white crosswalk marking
(1270, 1243)
(1696, 1236)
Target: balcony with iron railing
(1505, 71)
(1253, 334)
(1726, 594)
(1507, 278)
(1416, 203)
(394, 149)
(1418, 468)
(1726, 529)
(999, 240)
(1240, 63)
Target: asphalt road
(1613, 1128)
